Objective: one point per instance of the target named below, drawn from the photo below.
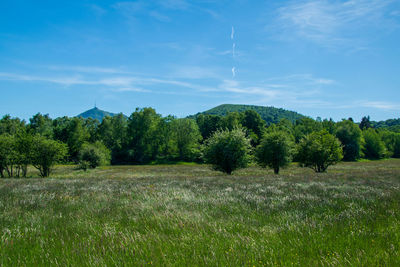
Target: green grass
(189, 215)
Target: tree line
(227, 142)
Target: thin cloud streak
(126, 82)
(378, 105)
(87, 69)
(331, 23)
(300, 88)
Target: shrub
(93, 155)
(319, 150)
(46, 153)
(373, 148)
(227, 150)
(15, 154)
(274, 151)
(392, 143)
(7, 154)
(349, 135)
(185, 137)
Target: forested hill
(269, 114)
(392, 124)
(96, 113)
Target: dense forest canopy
(268, 114)
(146, 136)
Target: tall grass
(190, 215)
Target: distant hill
(391, 124)
(269, 114)
(96, 113)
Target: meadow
(190, 215)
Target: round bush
(227, 150)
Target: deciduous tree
(349, 135)
(275, 150)
(319, 150)
(373, 147)
(186, 136)
(46, 153)
(227, 150)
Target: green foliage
(391, 124)
(11, 126)
(46, 153)
(92, 127)
(392, 142)
(274, 151)
(305, 126)
(349, 135)
(319, 150)
(113, 133)
(72, 131)
(94, 155)
(23, 148)
(373, 147)
(208, 124)
(15, 154)
(144, 136)
(185, 137)
(232, 120)
(6, 154)
(227, 150)
(268, 114)
(330, 126)
(148, 137)
(254, 124)
(41, 124)
(365, 123)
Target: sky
(328, 58)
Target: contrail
(233, 51)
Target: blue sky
(329, 58)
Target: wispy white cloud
(115, 83)
(87, 69)
(378, 105)
(305, 79)
(300, 89)
(332, 23)
(131, 89)
(235, 87)
(72, 80)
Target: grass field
(188, 215)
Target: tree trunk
(9, 172)
(24, 170)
